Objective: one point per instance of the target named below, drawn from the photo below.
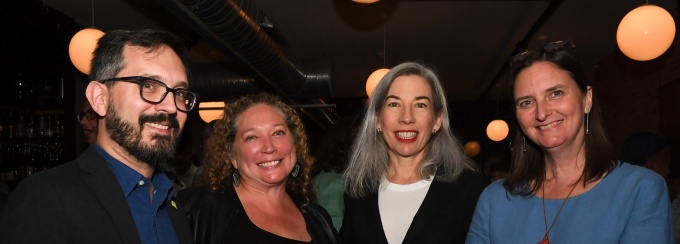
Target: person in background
(88, 120)
(564, 185)
(260, 180)
(408, 179)
(183, 160)
(117, 191)
(332, 157)
(201, 176)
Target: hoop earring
(524, 144)
(234, 177)
(587, 123)
(296, 171)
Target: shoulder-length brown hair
(528, 169)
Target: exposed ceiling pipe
(219, 84)
(245, 35)
(249, 39)
(216, 83)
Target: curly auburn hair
(219, 163)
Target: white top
(398, 205)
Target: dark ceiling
(468, 42)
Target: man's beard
(130, 138)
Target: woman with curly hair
(260, 174)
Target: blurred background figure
(88, 120)
(332, 156)
(207, 139)
(184, 160)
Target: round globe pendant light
(81, 47)
(497, 130)
(472, 148)
(374, 79)
(645, 32)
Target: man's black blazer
(443, 217)
(78, 202)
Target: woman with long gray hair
(408, 179)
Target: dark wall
(35, 42)
(470, 119)
(637, 96)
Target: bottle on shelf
(40, 133)
(49, 127)
(30, 129)
(19, 127)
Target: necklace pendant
(544, 241)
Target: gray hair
(369, 159)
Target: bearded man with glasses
(120, 190)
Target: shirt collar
(128, 178)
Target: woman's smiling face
(408, 118)
(264, 151)
(550, 107)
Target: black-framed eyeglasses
(566, 45)
(89, 114)
(154, 91)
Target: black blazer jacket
(443, 217)
(78, 202)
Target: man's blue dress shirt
(150, 213)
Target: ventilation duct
(216, 83)
(247, 37)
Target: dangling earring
(379, 130)
(296, 171)
(524, 144)
(235, 177)
(587, 122)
